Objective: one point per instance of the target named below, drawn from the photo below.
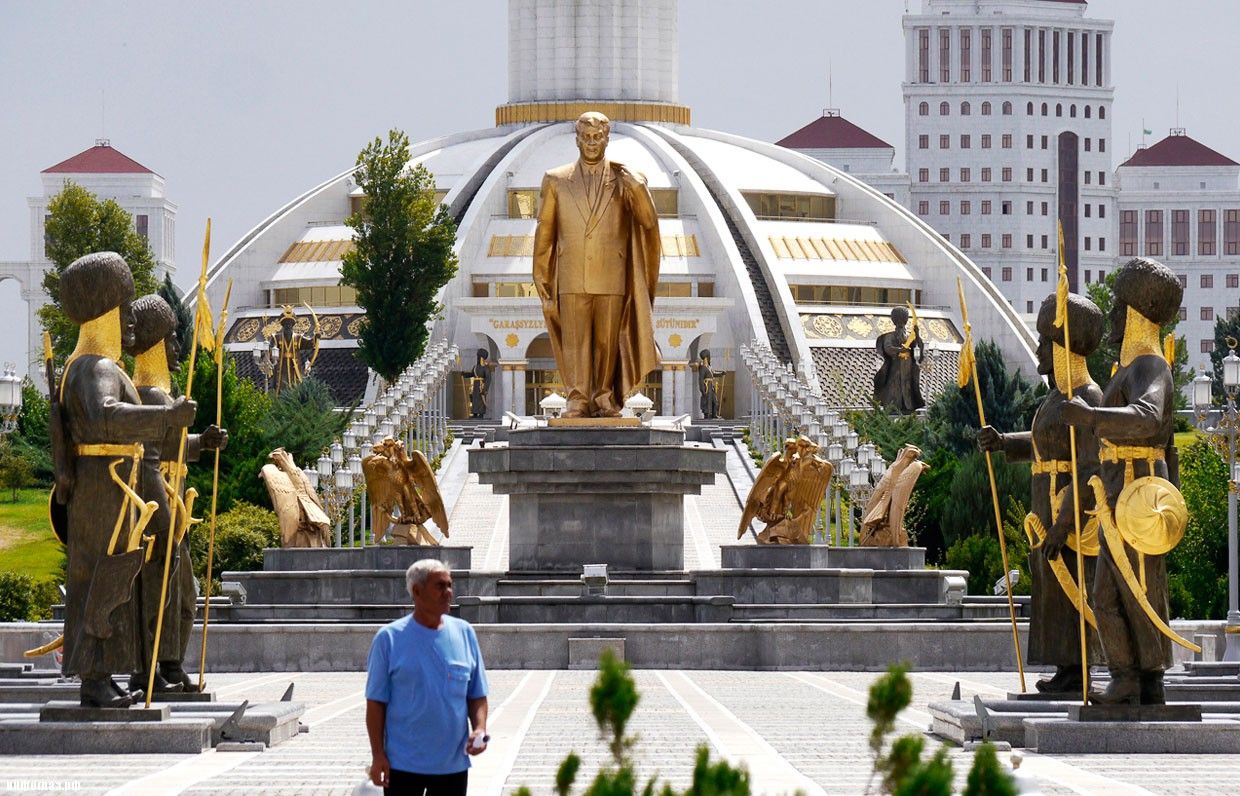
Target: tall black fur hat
(93, 285)
(1150, 288)
(153, 321)
(1084, 323)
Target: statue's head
(1084, 327)
(1150, 288)
(95, 284)
(899, 316)
(704, 355)
(806, 446)
(155, 323)
(482, 356)
(593, 132)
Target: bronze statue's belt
(905, 355)
(1114, 454)
(1051, 466)
(131, 450)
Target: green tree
(303, 420)
(402, 255)
(77, 224)
(185, 319)
(1008, 398)
(1197, 567)
(16, 471)
(1106, 356)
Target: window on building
(966, 141)
(966, 52)
(1102, 146)
(1072, 62)
(945, 109)
(1183, 280)
(923, 109)
(1007, 56)
(945, 175)
(986, 240)
(985, 140)
(1029, 175)
(985, 207)
(1028, 55)
(1045, 175)
(1207, 313)
(1028, 241)
(986, 271)
(923, 55)
(1007, 109)
(1007, 273)
(923, 208)
(945, 207)
(1005, 208)
(1007, 174)
(1044, 242)
(1098, 69)
(1207, 346)
(791, 206)
(1029, 109)
(1042, 58)
(1088, 241)
(1154, 233)
(923, 142)
(1059, 109)
(141, 224)
(966, 175)
(1045, 142)
(1043, 274)
(1088, 112)
(1102, 244)
(1072, 110)
(1029, 207)
(1046, 208)
(1088, 177)
(966, 109)
(1055, 60)
(1179, 232)
(1231, 232)
(945, 141)
(986, 108)
(1028, 274)
(1102, 112)
(986, 174)
(1207, 281)
(1029, 141)
(1233, 281)
(923, 175)
(1085, 65)
(1102, 211)
(1045, 109)
(1088, 208)
(966, 241)
(1183, 315)
(1007, 240)
(1102, 178)
(1088, 276)
(1029, 307)
(966, 207)
(1087, 143)
(1128, 233)
(945, 55)
(986, 58)
(1007, 140)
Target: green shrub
(1197, 567)
(241, 534)
(980, 554)
(26, 599)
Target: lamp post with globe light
(10, 399)
(1203, 399)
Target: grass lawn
(1185, 438)
(26, 541)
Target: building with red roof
(838, 142)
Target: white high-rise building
(1008, 130)
(1179, 202)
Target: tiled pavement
(802, 730)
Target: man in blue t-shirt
(425, 688)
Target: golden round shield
(1151, 515)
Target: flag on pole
(1147, 132)
(202, 312)
(1061, 289)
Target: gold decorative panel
(788, 247)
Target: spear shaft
(215, 483)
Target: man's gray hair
(420, 571)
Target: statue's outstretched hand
(989, 440)
(182, 412)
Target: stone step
(682, 587)
(595, 609)
(390, 557)
(1212, 668)
(904, 612)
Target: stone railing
(783, 404)
(414, 409)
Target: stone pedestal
(816, 556)
(373, 557)
(596, 495)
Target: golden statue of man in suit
(596, 265)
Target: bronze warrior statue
(295, 363)
(98, 466)
(897, 384)
(156, 357)
(708, 386)
(1054, 624)
(1141, 513)
(479, 385)
(596, 266)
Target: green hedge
(26, 599)
(241, 533)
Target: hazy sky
(241, 106)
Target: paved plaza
(794, 730)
